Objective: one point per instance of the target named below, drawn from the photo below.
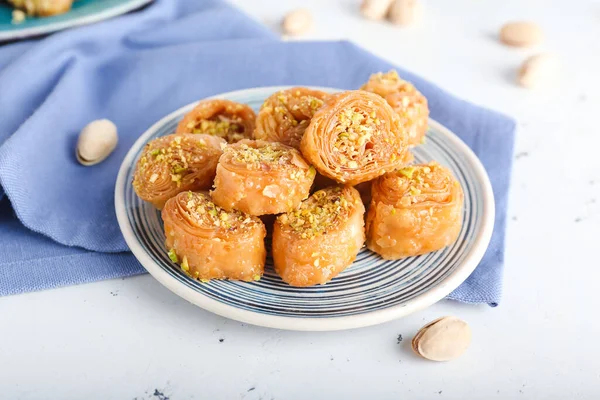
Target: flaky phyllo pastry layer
(259, 177)
(415, 210)
(410, 105)
(211, 243)
(355, 137)
(285, 115)
(223, 118)
(318, 240)
(176, 163)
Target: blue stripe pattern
(370, 284)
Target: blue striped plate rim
(370, 291)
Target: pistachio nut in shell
(521, 34)
(96, 141)
(297, 22)
(444, 339)
(538, 70)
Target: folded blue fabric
(134, 70)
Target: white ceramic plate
(370, 291)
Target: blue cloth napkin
(134, 70)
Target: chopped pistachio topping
(417, 181)
(263, 156)
(318, 213)
(173, 255)
(314, 103)
(293, 109)
(226, 126)
(414, 191)
(202, 209)
(387, 83)
(184, 264)
(169, 156)
(354, 130)
(388, 77)
(407, 171)
(405, 98)
(256, 277)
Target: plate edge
(85, 20)
(434, 295)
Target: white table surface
(133, 339)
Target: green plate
(83, 12)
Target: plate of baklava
(26, 18)
(306, 208)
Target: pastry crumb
(18, 17)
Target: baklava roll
(259, 177)
(176, 163)
(355, 137)
(223, 118)
(284, 116)
(405, 100)
(42, 8)
(415, 210)
(211, 243)
(317, 241)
